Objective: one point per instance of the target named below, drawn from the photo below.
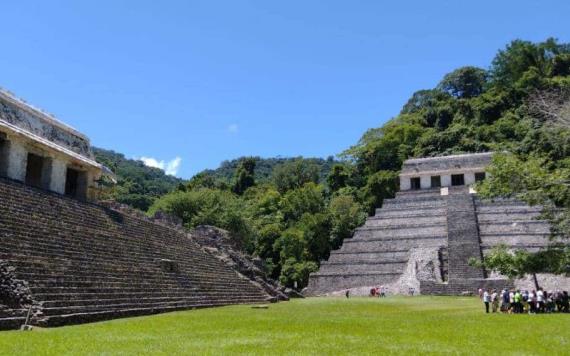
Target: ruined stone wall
(25, 130)
(447, 163)
(83, 262)
(444, 167)
(39, 124)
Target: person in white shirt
(486, 299)
(532, 301)
(495, 300)
(540, 300)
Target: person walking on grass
(495, 300)
(486, 300)
(525, 304)
(540, 301)
(511, 302)
(518, 302)
(532, 302)
(565, 302)
(505, 301)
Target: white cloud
(233, 128)
(171, 167)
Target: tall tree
(245, 175)
(295, 174)
(338, 177)
(465, 82)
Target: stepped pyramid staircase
(84, 263)
(459, 226)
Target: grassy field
(397, 325)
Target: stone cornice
(44, 142)
(444, 172)
(12, 99)
(445, 158)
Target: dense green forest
(292, 218)
(264, 167)
(137, 184)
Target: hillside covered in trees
(292, 218)
(264, 167)
(137, 184)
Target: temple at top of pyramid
(446, 171)
(43, 152)
(425, 236)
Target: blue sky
(206, 81)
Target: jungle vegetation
(294, 216)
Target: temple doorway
(76, 184)
(38, 171)
(4, 147)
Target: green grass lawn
(394, 325)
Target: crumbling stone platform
(82, 262)
(424, 237)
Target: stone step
(523, 227)
(132, 294)
(57, 277)
(507, 217)
(94, 306)
(47, 260)
(79, 318)
(530, 247)
(369, 256)
(409, 213)
(407, 204)
(413, 221)
(56, 265)
(394, 244)
(28, 236)
(394, 232)
(415, 198)
(134, 289)
(366, 234)
(205, 295)
(91, 281)
(363, 267)
(503, 205)
(100, 256)
(174, 281)
(201, 276)
(433, 192)
(515, 239)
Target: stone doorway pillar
(17, 161)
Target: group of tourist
(382, 291)
(379, 292)
(517, 302)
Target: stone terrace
(458, 226)
(379, 251)
(83, 262)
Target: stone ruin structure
(65, 259)
(42, 152)
(425, 236)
